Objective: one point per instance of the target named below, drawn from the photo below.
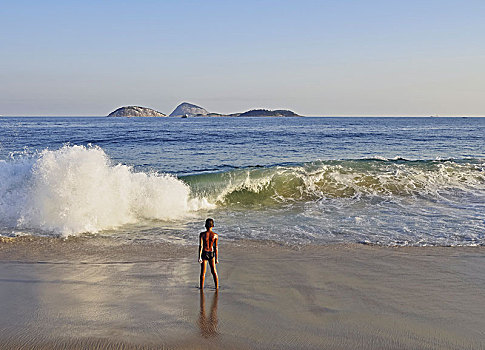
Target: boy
(208, 252)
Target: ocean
(296, 181)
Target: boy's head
(209, 223)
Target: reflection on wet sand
(92, 294)
(208, 325)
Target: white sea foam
(76, 189)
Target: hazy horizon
(317, 58)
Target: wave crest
(339, 179)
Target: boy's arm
(216, 255)
(200, 247)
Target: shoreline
(91, 292)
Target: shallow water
(387, 181)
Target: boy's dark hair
(209, 223)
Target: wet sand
(99, 294)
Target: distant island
(136, 111)
(269, 113)
(189, 110)
(186, 109)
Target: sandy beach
(95, 293)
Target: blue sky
(314, 57)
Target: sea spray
(76, 189)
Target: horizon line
(309, 116)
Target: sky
(77, 58)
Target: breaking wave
(77, 189)
(340, 179)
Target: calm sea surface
(388, 181)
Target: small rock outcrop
(136, 111)
(189, 110)
(269, 113)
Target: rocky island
(254, 113)
(136, 111)
(189, 110)
(186, 109)
(269, 113)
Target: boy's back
(208, 238)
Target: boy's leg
(212, 263)
(203, 268)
